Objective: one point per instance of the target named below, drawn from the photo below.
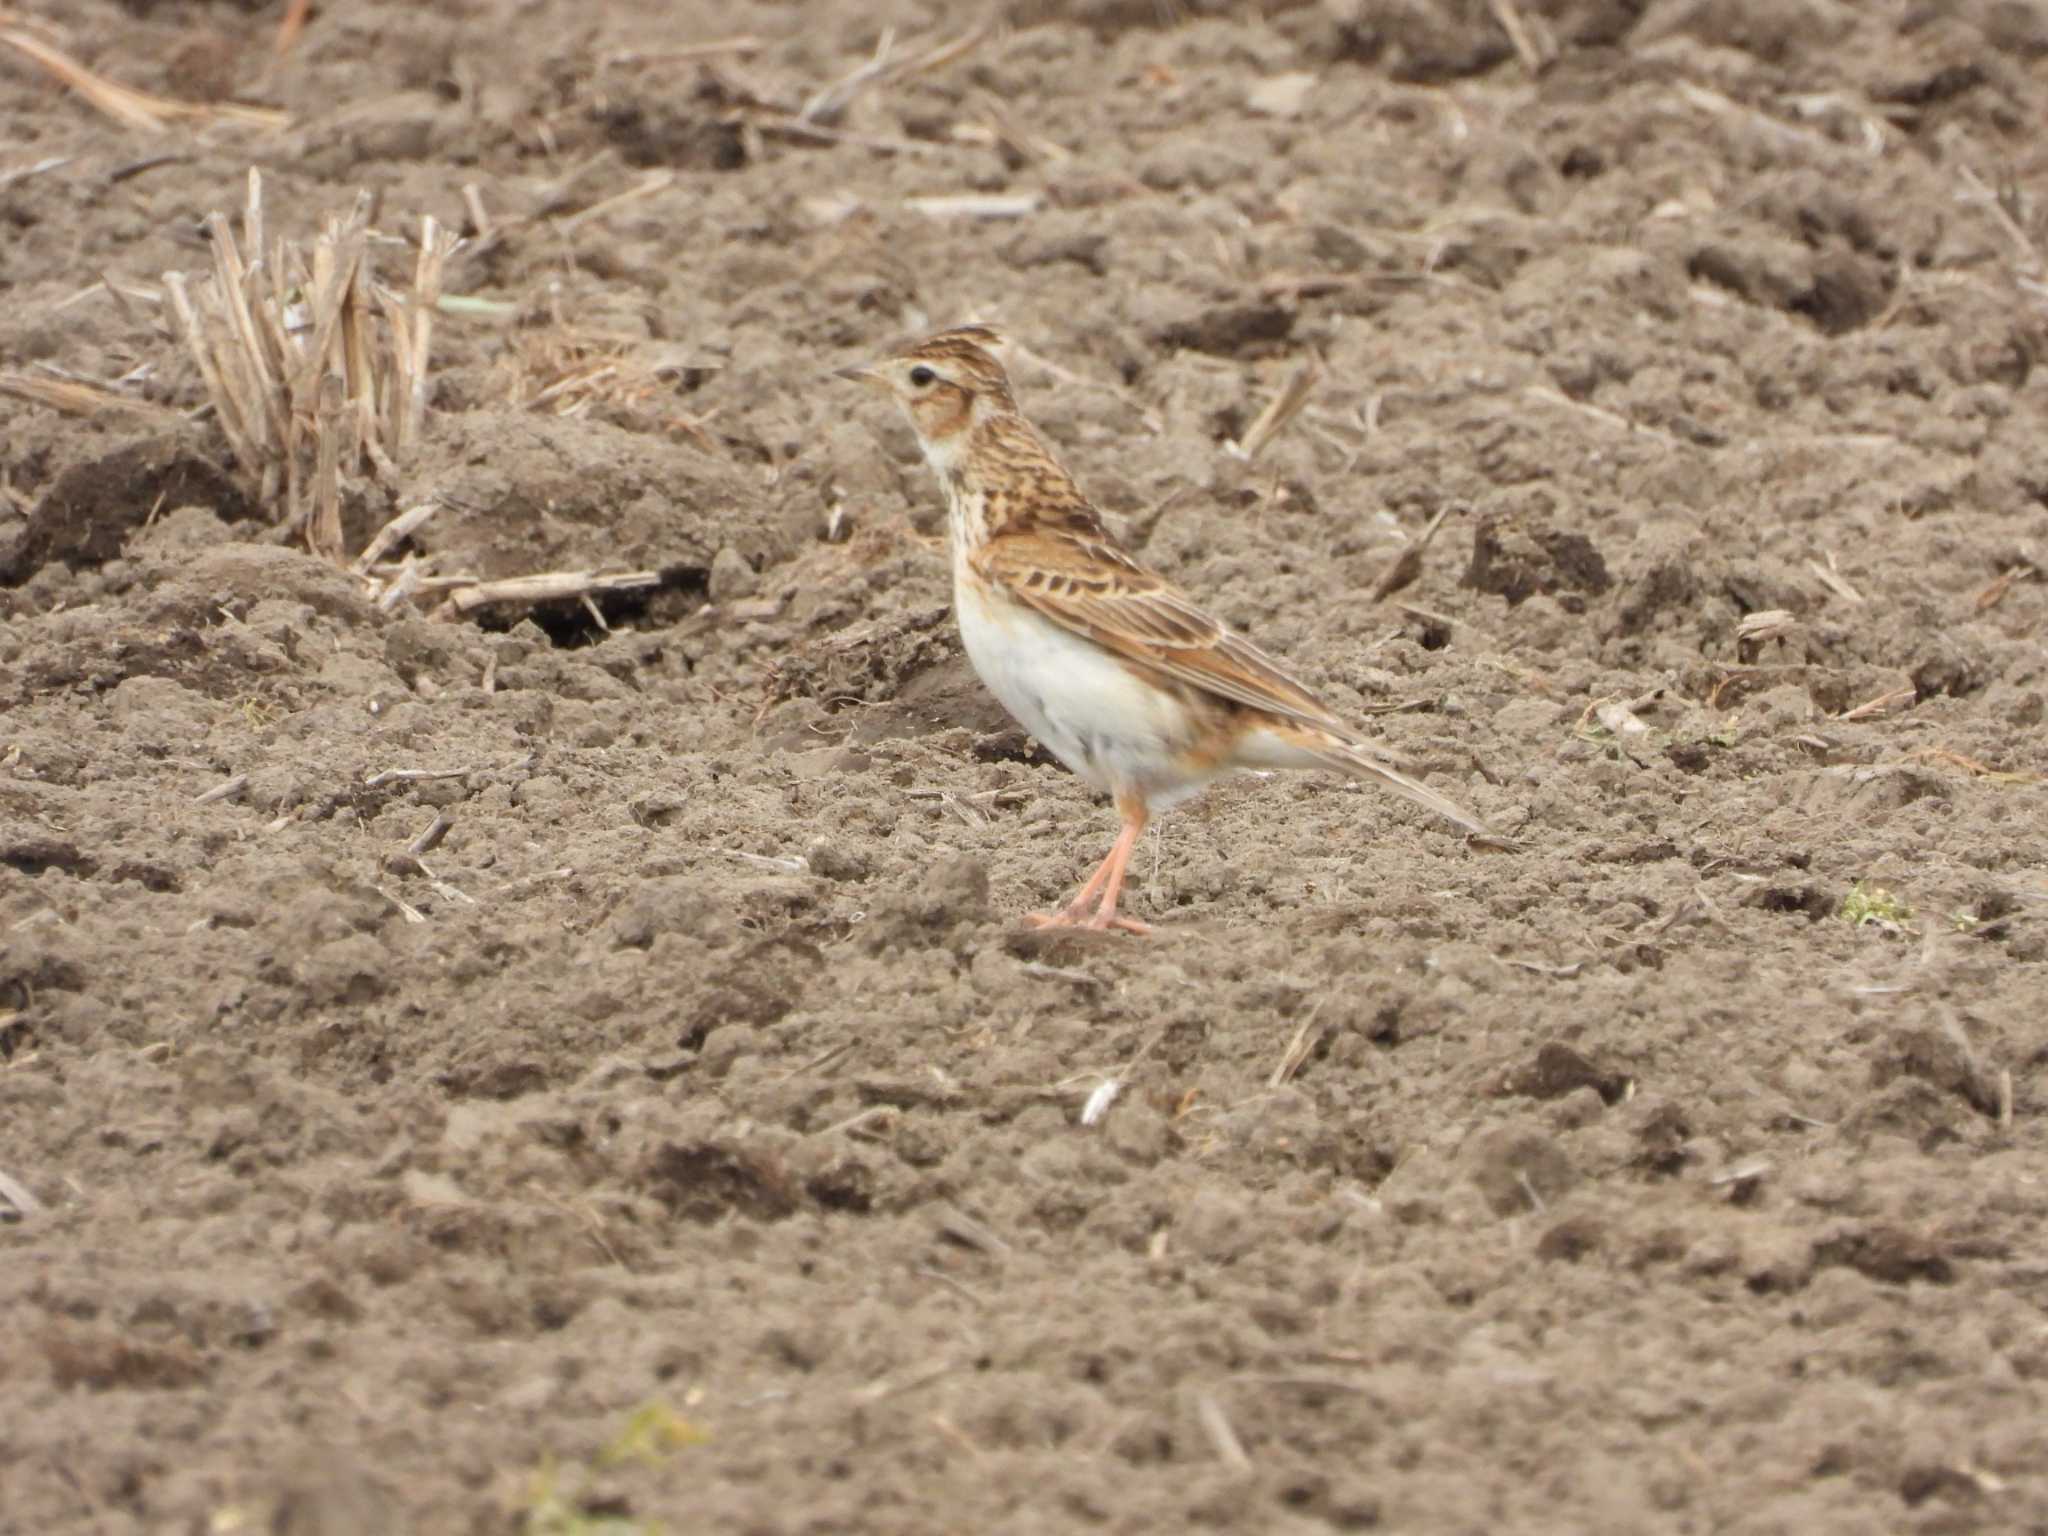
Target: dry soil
(705, 1073)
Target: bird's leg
(1102, 887)
(1077, 906)
(1135, 816)
(1075, 909)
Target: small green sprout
(560, 1506)
(653, 1432)
(1872, 906)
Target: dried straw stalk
(315, 370)
(136, 109)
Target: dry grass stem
(413, 776)
(430, 839)
(16, 1194)
(759, 114)
(888, 1387)
(977, 205)
(575, 389)
(817, 133)
(780, 866)
(435, 247)
(1216, 1425)
(965, 1230)
(1747, 1172)
(1974, 768)
(136, 109)
(546, 587)
(78, 397)
(1784, 133)
(1533, 48)
(1980, 1086)
(1834, 580)
(323, 522)
(818, 1062)
(1281, 409)
(2002, 583)
(1545, 395)
(473, 205)
(1401, 706)
(568, 371)
(941, 54)
(860, 1120)
(736, 47)
(123, 297)
(1017, 145)
(1883, 704)
(650, 184)
(455, 893)
(392, 534)
(401, 584)
(225, 790)
(406, 909)
(2001, 210)
(1404, 568)
(1696, 908)
(135, 168)
(41, 167)
(1297, 1052)
(829, 104)
(1430, 617)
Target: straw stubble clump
(317, 372)
(313, 367)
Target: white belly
(1116, 731)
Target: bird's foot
(1100, 922)
(1116, 923)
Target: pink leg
(1118, 862)
(1084, 898)
(1107, 883)
(1076, 907)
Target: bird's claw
(1099, 922)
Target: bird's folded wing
(1097, 590)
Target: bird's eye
(920, 376)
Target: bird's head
(945, 383)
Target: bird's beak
(861, 373)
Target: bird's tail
(1307, 747)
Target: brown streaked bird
(1116, 670)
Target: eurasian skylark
(1118, 672)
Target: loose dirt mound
(363, 1176)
